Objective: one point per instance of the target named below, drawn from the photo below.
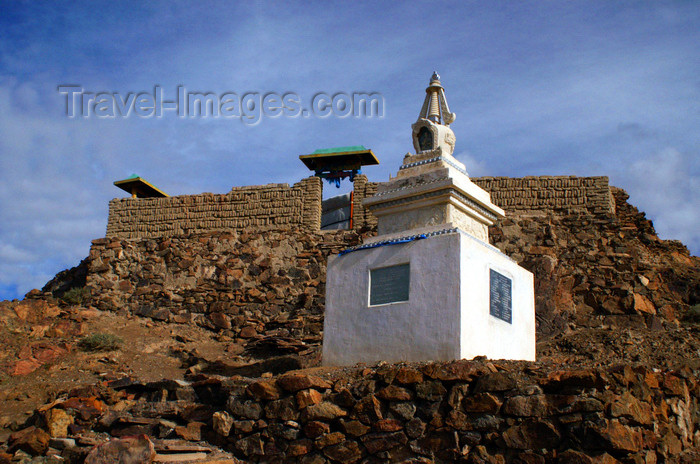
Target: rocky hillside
(594, 274)
(214, 330)
(607, 289)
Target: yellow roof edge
(134, 179)
(326, 155)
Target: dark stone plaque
(389, 284)
(501, 304)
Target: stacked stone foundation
(220, 280)
(460, 412)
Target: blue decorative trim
(397, 241)
(420, 163)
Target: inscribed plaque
(501, 305)
(389, 284)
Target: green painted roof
(339, 149)
(339, 158)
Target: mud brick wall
(361, 217)
(524, 196)
(271, 206)
(276, 206)
(557, 194)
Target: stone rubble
(462, 411)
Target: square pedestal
(445, 297)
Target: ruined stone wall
(557, 194)
(590, 271)
(465, 411)
(271, 206)
(361, 217)
(242, 282)
(617, 379)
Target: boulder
(308, 397)
(264, 390)
(532, 434)
(31, 440)
(345, 452)
(294, 382)
(129, 450)
(57, 422)
(324, 411)
(222, 422)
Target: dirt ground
(40, 356)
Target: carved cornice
(433, 160)
(448, 191)
(411, 186)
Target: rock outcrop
(463, 411)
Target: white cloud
(664, 184)
(475, 167)
(9, 253)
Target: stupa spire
(435, 107)
(432, 129)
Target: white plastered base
(447, 315)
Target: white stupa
(428, 287)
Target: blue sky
(540, 88)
